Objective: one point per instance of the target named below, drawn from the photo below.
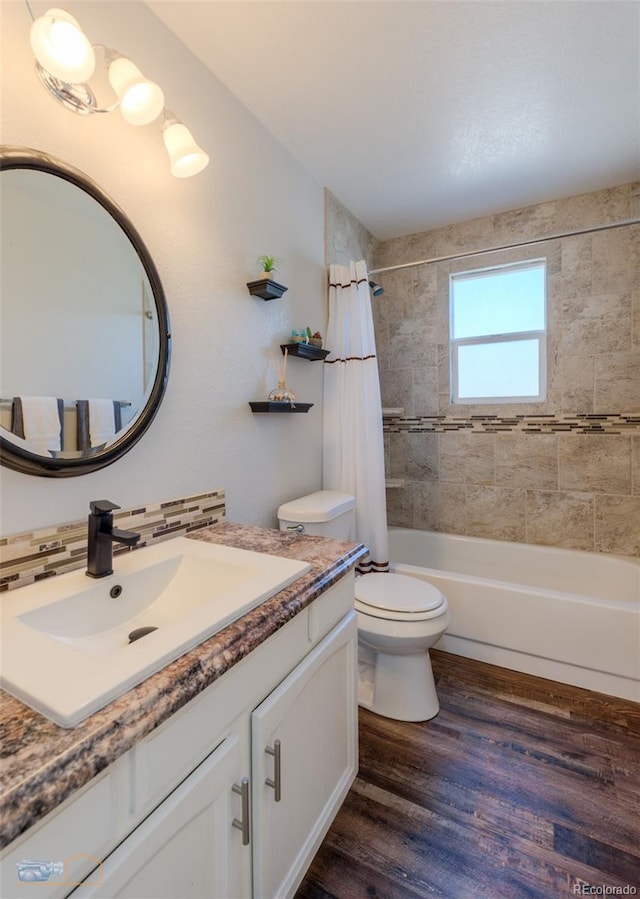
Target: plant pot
(315, 341)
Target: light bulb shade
(185, 155)
(141, 100)
(61, 48)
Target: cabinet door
(187, 847)
(313, 715)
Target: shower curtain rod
(513, 246)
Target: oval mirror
(85, 341)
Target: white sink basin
(65, 640)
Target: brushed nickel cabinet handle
(243, 825)
(276, 783)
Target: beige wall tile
(395, 304)
(414, 456)
(575, 379)
(617, 382)
(425, 389)
(634, 200)
(467, 458)
(444, 371)
(464, 236)
(409, 248)
(400, 506)
(439, 506)
(527, 223)
(409, 344)
(497, 513)
(561, 519)
(615, 260)
(346, 236)
(590, 210)
(527, 460)
(595, 324)
(396, 388)
(433, 309)
(598, 463)
(635, 306)
(618, 524)
(635, 464)
(575, 266)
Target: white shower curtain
(353, 448)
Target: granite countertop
(43, 764)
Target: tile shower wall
(346, 238)
(565, 472)
(32, 556)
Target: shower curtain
(353, 449)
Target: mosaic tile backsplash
(528, 424)
(31, 556)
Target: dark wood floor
(520, 787)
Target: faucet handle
(102, 506)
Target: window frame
(540, 335)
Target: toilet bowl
(399, 617)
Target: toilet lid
(397, 593)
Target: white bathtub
(570, 616)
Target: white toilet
(399, 617)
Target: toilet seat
(397, 597)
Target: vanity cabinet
(304, 759)
(185, 847)
(231, 797)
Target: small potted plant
(268, 264)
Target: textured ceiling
(419, 114)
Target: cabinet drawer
(187, 847)
(331, 607)
(68, 844)
(168, 754)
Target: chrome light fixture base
(78, 98)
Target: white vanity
(232, 794)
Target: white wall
(204, 234)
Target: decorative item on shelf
(268, 264)
(306, 345)
(281, 398)
(314, 339)
(281, 393)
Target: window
(498, 331)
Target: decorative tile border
(31, 556)
(614, 423)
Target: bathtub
(567, 615)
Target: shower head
(376, 289)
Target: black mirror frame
(19, 459)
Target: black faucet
(101, 537)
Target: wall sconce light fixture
(66, 60)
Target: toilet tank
(326, 513)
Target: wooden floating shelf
(305, 351)
(270, 406)
(266, 289)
